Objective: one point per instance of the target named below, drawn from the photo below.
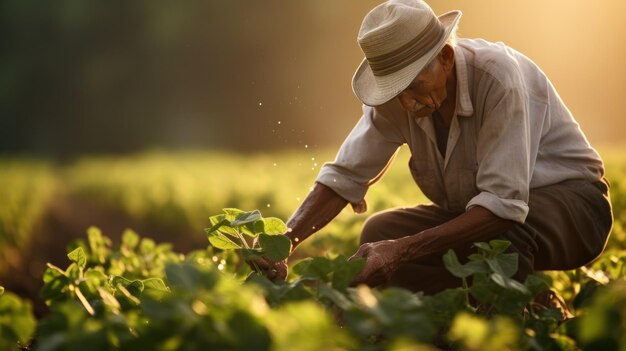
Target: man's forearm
(318, 208)
(477, 224)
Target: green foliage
(227, 232)
(17, 322)
(142, 295)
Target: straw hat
(399, 38)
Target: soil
(67, 219)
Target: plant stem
(245, 244)
(84, 301)
(466, 289)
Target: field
(168, 289)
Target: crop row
(140, 295)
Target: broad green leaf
(345, 271)
(130, 239)
(52, 272)
(135, 287)
(499, 246)
(220, 223)
(17, 322)
(251, 332)
(189, 277)
(452, 264)
(335, 296)
(98, 244)
(483, 289)
(445, 304)
(92, 280)
(1, 290)
(504, 264)
(276, 247)
(231, 213)
(78, 256)
(536, 284)
(483, 246)
(249, 229)
(476, 257)
(316, 268)
(217, 219)
(116, 279)
(220, 241)
(155, 288)
(147, 246)
(586, 293)
(216, 223)
(246, 217)
(508, 283)
(273, 226)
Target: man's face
(426, 93)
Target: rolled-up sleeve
(503, 152)
(363, 156)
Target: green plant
(17, 322)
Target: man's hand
(381, 260)
(273, 270)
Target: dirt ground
(67, 219)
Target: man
(493, 147)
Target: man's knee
(374, 228)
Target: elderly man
(493, 147)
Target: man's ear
(446, 57)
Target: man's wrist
(405, 248)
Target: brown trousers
(568, 225)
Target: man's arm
(383, 257)
(319, 207)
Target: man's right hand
(321, 205)
(273, 270)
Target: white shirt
(511, 132)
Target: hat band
(408, 53)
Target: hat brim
(376, 90)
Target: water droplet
(306, 146)
(274, 164)
(313, 227)
(297, 198)
(260, 104)
(334, 180)
(296, 240)
(315, 164)
(215, 258)
(220, 266)
(289, 230)
(278, 122)
(268, 205)
(312, 158)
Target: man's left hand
(381, 260)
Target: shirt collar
(463, 101)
